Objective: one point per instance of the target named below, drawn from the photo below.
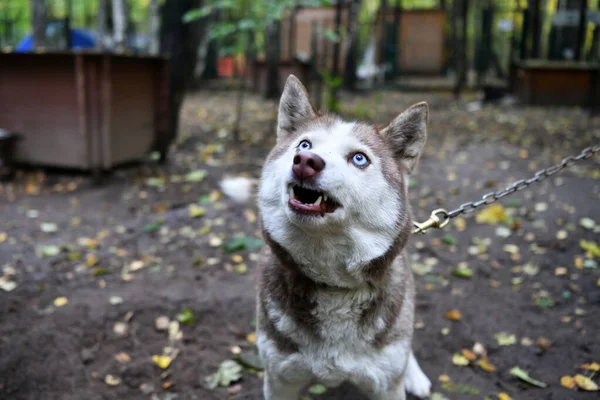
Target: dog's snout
(307, 165)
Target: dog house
(86, 111)
(556, 83)
(420, 42)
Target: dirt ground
(88, 269)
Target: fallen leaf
(196, 211)
(585, 383)
(215, 241)
(174, 331)
(242, 243)
(503, 232)
(459, 359)
(592, 249)
(568, 382)
(524, 376)
(186, 316)
(112, 380)
(485, 365)
(453, 315)
(47, 251)
(6, 284)
(463, 273)
(123, 358)
(560, 271)
(48, 227)
(437, 396)
(229, 371)
(196, 176)
(162, 361)
(594, 366)
(541, 207)
(115, 300)
(493, 214)
(562, 234)
(511, 248)
(251, 338)
(449, 239)
(60, 301)
(504, 396)
(120, 328)
(241, 268)
(531, 269)
(444, 378)
(317, 389)
(587, 223)
(161, 323)
(468, 354)
(505, 338)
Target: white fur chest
(343, 347)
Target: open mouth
(308, 201)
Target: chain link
(434, 220)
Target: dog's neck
(351, 259)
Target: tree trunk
(581, 30)
(384, 31)
(101, 23)
(352, 46)
(120, 24)
(68, 23)
(249, 56)
(273, 50)
(395, 71)
(39, 21)
(536, 29)
(153, 28)
(335, 69)
(461, 48)
(180, 42)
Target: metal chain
(440, 217)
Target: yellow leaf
(591, 366)
(3, 236)
(491, 215)
(91, 260)
(112, 380)
(458, 359)
(60, 301)
(485, 365)
(251, 338)
(504, 396)
(468, 354)
(453, 315)
(568, 382)
(237, 258)
(585, 383)
(162, 361)
(196, 211)
(444, 378)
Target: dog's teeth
(318, 202)
(291, 192)
(324, 197)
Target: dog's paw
(417, 383)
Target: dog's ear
(294, 107)
(407, 134)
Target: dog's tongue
(309, 208)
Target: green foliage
(244, 16)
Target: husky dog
(336, 293)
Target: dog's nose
(307, 165)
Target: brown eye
(360, 160)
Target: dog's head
(328, 176)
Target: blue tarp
(80, 39)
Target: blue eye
(304, 145)
(360, 160)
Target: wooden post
(581, 30)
